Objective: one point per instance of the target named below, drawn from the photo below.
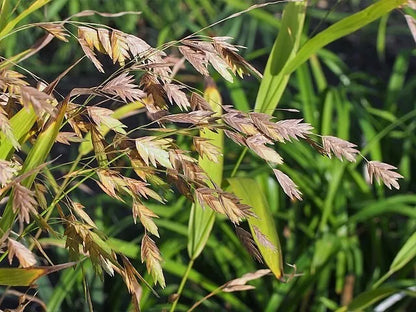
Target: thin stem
(182, 284)
(213, 293)
(240, 159)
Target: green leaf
(36, 157)
(27, 276)
(251, 194)
(11, 24)
(403, 257)
(368, 298)
(284, 49)
(340, 29)
(202, 220)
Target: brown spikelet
(340, 148)
(151, 255)
(123, 86)
(198, 117)
(239, 284)
(288, 186)
(152, 149)
(101, 115)
(57, 30)
(8, 170)
(205, 148)
(11, 81)
(145, 216)
(40, 101)
(199, 103)
(197, 58)
(263, 240)
(383, 172)
(67, 137)
(23, 254)
(119, 47)
(90, 54)
(7, 129)
(175, 95)
(236, 63)
(292, 129)
(257, 144)
(154, 90)
(247, 240)
(24, 202)
(240, 122)
(236, 137)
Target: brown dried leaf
(151, 255)
(257, 144)
(288, 186)
(23, 202)
(340, 148)
(123, 86)
(23, 254)
(205, 148)
(40, 101)
(383, 172)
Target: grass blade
(251, 194)
(274, 80)
(201, 220)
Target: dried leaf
(151, 255)
(340, 148)
(383, 172)
(288, 186)
(23, 254)
(153, 149)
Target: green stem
(240, 159)
(182, 284)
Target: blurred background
(361, 88)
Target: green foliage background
(345, 233)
